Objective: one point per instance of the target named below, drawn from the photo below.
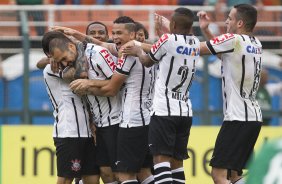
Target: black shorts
(234, 144)
(133, 151)
(168, 135)
(75, 157)
(106, 138)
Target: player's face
(140, 35)
(231, 22)
(66, 57)
(121, 35)
(98, 31)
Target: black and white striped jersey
(241, 57)
(106, 110)
(70, 112)
(136, 94)
(177, 56)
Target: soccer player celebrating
(176, 54)
(241, 56)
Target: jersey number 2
(183, 71)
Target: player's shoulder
(47, 69)
(223, 38)
(93, 48)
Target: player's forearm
(103, 91)
(145, 59)
(109, 46)
(41, 64)
(207, 33)
(146, 47)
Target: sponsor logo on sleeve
(108, 58)
(159, 43)
(222, 38)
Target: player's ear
(240, 23)
(132, 35)
(71, 46)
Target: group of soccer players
(137, 96)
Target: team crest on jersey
(222, 38)
(159, 43)
(76, 165)
(108, 58)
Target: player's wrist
(137, 43)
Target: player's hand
(204, 19)
(65, 30)
(161, 24)
(132, 50)
(128, 44)
(80, 86)
(55, 67)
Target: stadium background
(26, 114)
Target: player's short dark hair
(47, 37)
(54, 39)
(123, 20)
(183, 18)
(139, 26)
(129, 23)
(97, 22)
(248, 14)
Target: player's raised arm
(43, 62)
(85, 38)
(204, 21)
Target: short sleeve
(125, 64)
(159, 49)
(222, 44)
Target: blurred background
(23, 98)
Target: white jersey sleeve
(222, 44)
(101, 61)
(125, 64)
(159, 49)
